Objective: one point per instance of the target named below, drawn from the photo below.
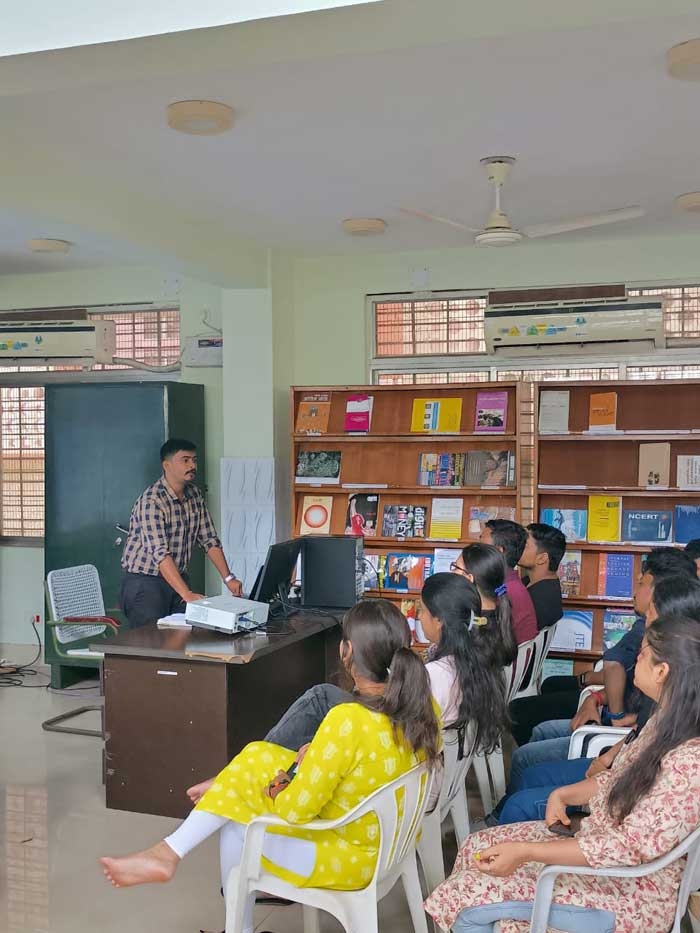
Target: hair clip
(477, 620)
(501, 590)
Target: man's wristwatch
(231, 576)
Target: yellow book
(446, 519)
(436, 415)
(603, 518)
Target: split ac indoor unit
(70, 342)
(567, 327)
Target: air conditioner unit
(568, 327)
(70, 342)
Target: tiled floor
(54, 825)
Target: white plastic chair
(689, 882)
(590, 741)
(452, 801)
(489, 769)
(355, 910)
(533, 676)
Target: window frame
(40, 378)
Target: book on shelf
(361, 515)
(316, 515)
(645, 526)
(371, 564)
(446, 519)
(405, 572)
(604, 518)
(688, 471)
(403, 521)
(616, 624)
(480, 514)
(615, 575)
(436, 415)
(491, 411)
(554, 411)
(569, 572)
(313, 413)
(654, 465)
(358, 413)
(686, 524)
(490, 468)
(574, 631)
(318, 467)
(602, 412)
(573, 523)
(444, 557)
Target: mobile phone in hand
(559, 829)
(292, 770)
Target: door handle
(118, 542)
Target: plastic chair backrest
(515, 672)
(75, 591)
(541, 643)
(455, 768)
(691, 875)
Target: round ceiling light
(49, 245)
(689, 202)
(200, 117)
(683, 60)
(364, 226)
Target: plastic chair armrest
(85, 620)
(579, 736)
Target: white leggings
(297, 855)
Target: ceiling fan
(499, 230)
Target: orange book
(602, 412)
(313, 413)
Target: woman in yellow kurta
(359, 747)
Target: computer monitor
(274, 580)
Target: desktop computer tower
(331, 571)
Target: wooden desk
(172, 720)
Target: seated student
(639, 810)
(529, 789)
(510, 538)
(692, 548)
(542, 554)
(485, 566)
(464, 669)
(528, 712)
(389, 726)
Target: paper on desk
(176, 620)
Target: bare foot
(197, 791)
(152, 866)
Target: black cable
(14, 677)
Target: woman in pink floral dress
(639, 810)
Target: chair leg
(411, 884)
(430, 851)
(52, 725)
(459, 811)
(312, 919)
(481, 770)
(498, 774)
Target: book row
(428, 415)
(575, 629)
(615, 576)
(606, 521)
(442, 520)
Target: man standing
(168, 519)
(544, 549)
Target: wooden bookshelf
(385, 461)
(571, 466)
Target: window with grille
(424, 378)
(151, 337)
(682, 311)
(434, 327)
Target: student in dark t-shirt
(539, 562)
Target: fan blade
(582, 223)
(437, 219)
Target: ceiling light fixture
(200, 117)
(683, 61)
(689, 202)
(49, 245)
(364, 226)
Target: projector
(227, 614)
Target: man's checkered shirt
(162, 525)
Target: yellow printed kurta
(353, 754)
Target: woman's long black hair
(488, 567)
(381, 653)
(674, 640)
(455, 601)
